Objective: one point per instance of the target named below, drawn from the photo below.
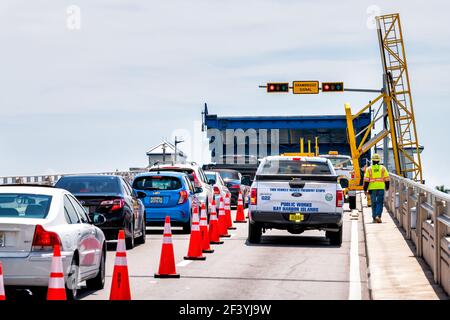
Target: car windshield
(19, 205)
(230, 175)
(93, 185)
(157, 183)
(341, 162)
(211, 177)
(293, 167)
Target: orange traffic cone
(56, 285)
(214, 232)
(204, 231)
(228, 212)
(223, 228)
(195, 251)
(240, 217)
(120, 287)
(167, 267)
(2, 285)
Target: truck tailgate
(309, 197)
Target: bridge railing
(52, 179)
(424, 214)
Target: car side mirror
(141, 195)
(198, 190)
(99, 219)
(246, 180)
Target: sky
(90, 86)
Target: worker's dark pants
(377, 198)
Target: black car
(235, 182)
(112, 197)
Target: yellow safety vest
(376, 175)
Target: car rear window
(157, 183)
(231, 175)
(211, 177)
(92, 185)
(293, 167)
(19, 205)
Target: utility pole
(164, 152)
(176, 143)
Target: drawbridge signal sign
(305, 87)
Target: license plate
(156, 200)
(2, 239)
(297, 217)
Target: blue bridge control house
(252, 137)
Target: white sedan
(35, 218)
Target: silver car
(220, 189)
(35, 218)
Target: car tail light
(183, 197)
(115, 204)
(254, 196)
(296, 159)
(216, 190)
(197, 183)
(339, 198)
(44, 240)
(352, 174)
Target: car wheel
(98, 283)
(352, 202)
(72, 281)
(130, 240)
(187, 226)
(335, 237)
(141, 239)
(254, 233)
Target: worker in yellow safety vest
(376, 181)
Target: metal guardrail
(52, 179)
(424, 214)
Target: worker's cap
(376, 157)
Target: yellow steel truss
(400, 122)
(398, 98)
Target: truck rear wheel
(352, 202)
(254, 233)
(335, 237)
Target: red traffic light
(332, 86)
(278, 87)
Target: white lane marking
(183, 263)
(355, 274)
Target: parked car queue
(82, 212)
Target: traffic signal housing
(278, 87)
(332, 87)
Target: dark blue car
(168, 193)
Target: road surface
(283, 266)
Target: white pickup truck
(296, 194)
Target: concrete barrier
(430, 232)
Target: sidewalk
(395, 272)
